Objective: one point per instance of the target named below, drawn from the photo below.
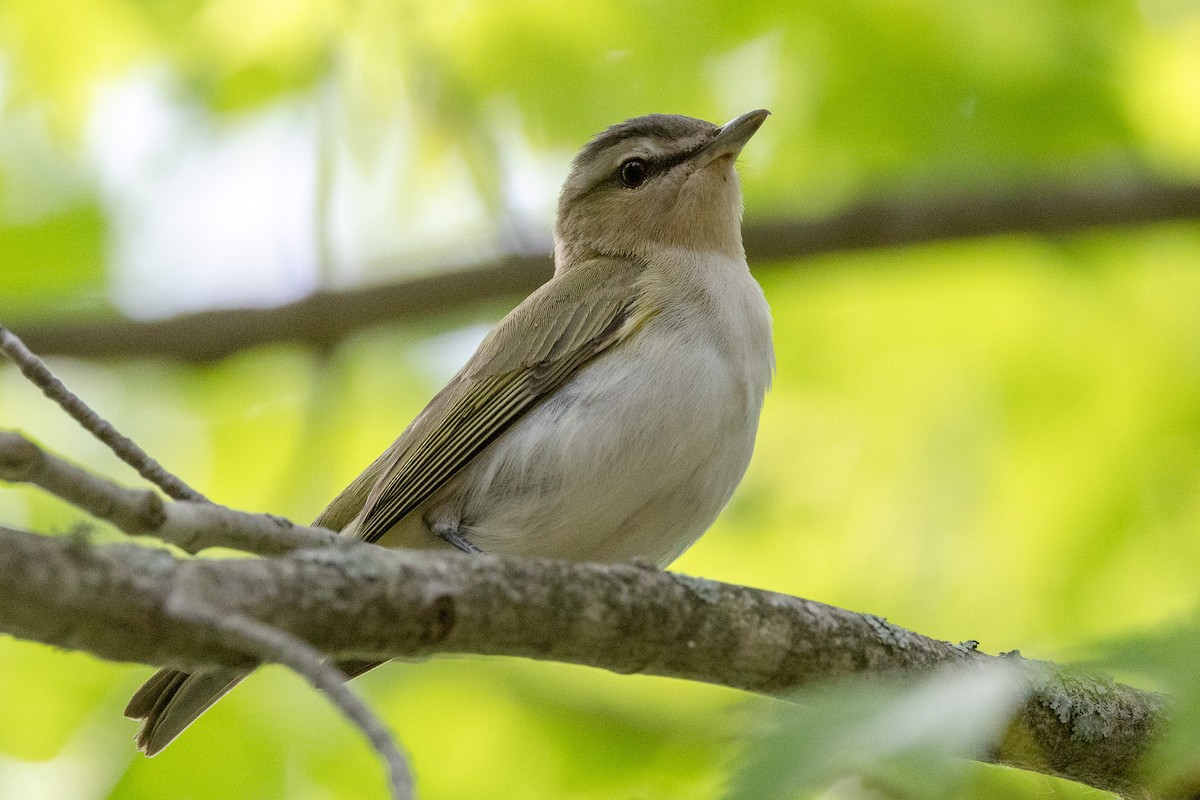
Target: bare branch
(192, 526)
(327, 317)
(364, 602)
(125, 448)
(272, 645)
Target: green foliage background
(994, 440)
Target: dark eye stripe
(663, 163)
(654, 166)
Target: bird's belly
(633, 458)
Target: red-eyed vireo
(608, 417)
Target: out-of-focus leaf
(1168, 657)
(51, 261)
(257, 84)
(908, 737)
(48, 695)
(59, 53)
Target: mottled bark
(361, 601)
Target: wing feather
(569, 321)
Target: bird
(608, 418)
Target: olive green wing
(533, 351)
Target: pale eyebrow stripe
(651, 127)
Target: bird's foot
(451, 535)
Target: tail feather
(171, 700)
(142, 703)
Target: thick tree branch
(192, 526)
(361, 601)
(327, 317)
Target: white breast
(637, 454)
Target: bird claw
(452, 537)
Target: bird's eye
(633, 173)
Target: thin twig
(125, 448)
(275, 646)
(192, 526)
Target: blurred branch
(192, 525)
(361, 601)
(327, 317)
(320, 320)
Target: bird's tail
(171, 700)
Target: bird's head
(650, 182)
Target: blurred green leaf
(40, 716)
(907, 737)
(51, 261)
(1167, 657)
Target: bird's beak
(732, 137)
